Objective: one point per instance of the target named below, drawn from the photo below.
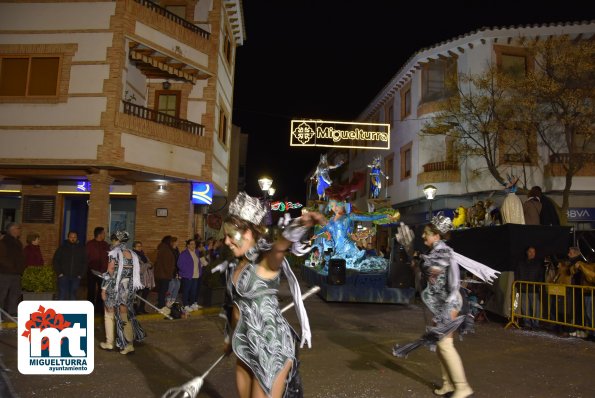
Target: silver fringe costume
(440, 268)
(263, 339)
(120, 289)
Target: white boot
(454, 367)
(447, 385)
(110, 324)
(128, 335)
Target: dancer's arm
(275, 256)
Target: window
(434, 79)
(406, 101)
(389, 164)
(227, 47)
(406, 159)
(223, 127)
(389, 113)
(517, 146)
(168, 102)
(514, 65)
(29, 76)
(513, 61)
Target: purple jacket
(186, 264)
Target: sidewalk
(152, 313)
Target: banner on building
(340, 134)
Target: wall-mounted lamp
(166, 85)
(161, 188)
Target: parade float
(344, 270)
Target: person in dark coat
(97, 259)
(70, 264)
(12, 265)
(548, 214)
(33, 256)
(165, 267)
(530, 270)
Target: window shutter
(39, 209)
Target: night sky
(328, 59)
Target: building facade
(411, 99)
(111, 110)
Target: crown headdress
(442, 223)
(121, 236)
(247, 208)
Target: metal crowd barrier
(566, 305)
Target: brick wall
(150, 229)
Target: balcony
(517, 158)
(173, 17)
(163, 118)
(440, 166)
(444, 171)
(556, 168)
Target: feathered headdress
(248, 208)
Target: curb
(141, 317)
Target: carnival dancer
(120, 283)
(261, 338)
(440, 268)
(322, 176)
(375, 180)
(339, 226)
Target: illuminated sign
(340, 134)
(202, 193)
(83, 186)
(282, 206)
(577, 214)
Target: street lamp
(265, 184)
(271, 191)
(430, 193)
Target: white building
(411, 97)
(127, 95)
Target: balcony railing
(163, 118)
(564, 158)
(170, 15)
(517, 158)
(440, 166)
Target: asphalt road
(351, 357)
